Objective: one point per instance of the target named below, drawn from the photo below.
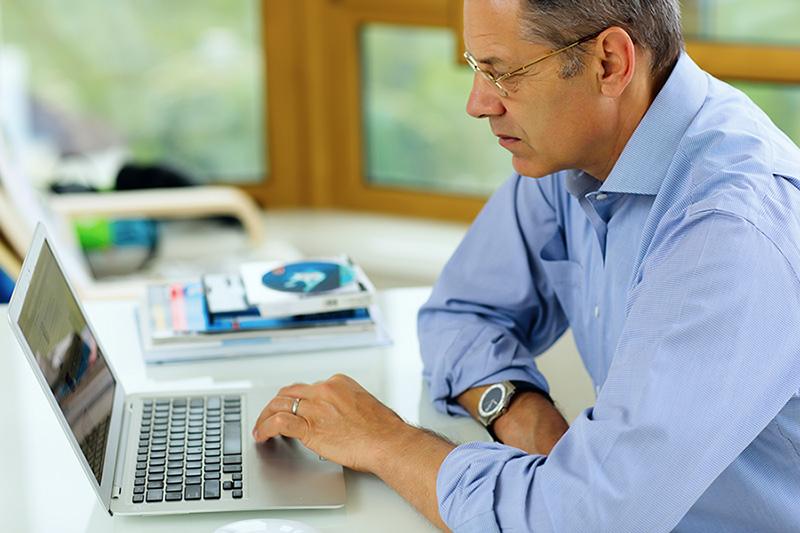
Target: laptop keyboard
(189, 449)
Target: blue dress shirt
(679, 278)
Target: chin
(532, 168)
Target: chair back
(21, 209)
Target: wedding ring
(295, 405)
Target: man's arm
(493, 309)
(531, 423)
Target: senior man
(655, 212)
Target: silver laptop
(160, 453)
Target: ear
(617, 61)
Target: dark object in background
(134, 176)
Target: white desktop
(43, 487)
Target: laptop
(165, 453)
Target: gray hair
(652, 24)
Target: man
(663, 229)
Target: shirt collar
(649, 152)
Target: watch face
(492, 399)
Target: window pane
(765, 21)
(780, 102)
(417, 132)
(178, 82)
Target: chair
(21, 208)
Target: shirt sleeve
(492, 309)
(707, 358)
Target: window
(179, 83)
(416, 131)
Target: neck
(631, 108)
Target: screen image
(69, 358)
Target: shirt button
(597, 311)
(601, 196)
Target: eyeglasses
(498, 81)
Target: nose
(484, 100)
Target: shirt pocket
(565, 276)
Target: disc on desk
(266, 525)
(309, 277)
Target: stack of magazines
(264, 308)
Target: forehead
(492, 28)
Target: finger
(285, 424)
(275, 405)
(299, 390)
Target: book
(313, 286)
(176, 323)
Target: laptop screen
(69, 357)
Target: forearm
(531, 423)
(409, 464)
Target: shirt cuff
(466, 483)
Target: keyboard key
(212, 446)
(212, 467)
(215, 402)
(174, 496)
(138, 490)
(232, 444)
(212, 460)
(156, 469)
(193, 457)
(237, 484)
(138, 498)
(232, 418)
(157, 462)
(174, 487)
(232, 460)
(155, 495)
(139, 481)
(227, 469)
(211, 475)
(213, 438)
(171, 480)
(211, 490)
(193, 464)
(156, 477)
(237, 477)
(192, 492)
(227, 485)
(237, 494)
(192, 481)
(193, 472)
(154, 484)
(140, 473)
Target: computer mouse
(266, 525)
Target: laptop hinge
(119, 471)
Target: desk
(44, 489)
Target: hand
(336, 419)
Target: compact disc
(309, 277)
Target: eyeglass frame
(473, 63)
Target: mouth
(507, 141)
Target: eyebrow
(492, 61)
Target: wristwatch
(494, 402)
